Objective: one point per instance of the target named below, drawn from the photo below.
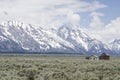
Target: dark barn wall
(104, 57)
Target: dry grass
(57, 67)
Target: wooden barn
(104, 56)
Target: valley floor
(57, 67)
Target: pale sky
(99, 18)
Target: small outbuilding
(93, 57)
(104, 56)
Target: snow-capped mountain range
(19, 37)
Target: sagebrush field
(57, 67)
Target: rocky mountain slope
(115, 46)
(19, 37)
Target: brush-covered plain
(57, 67)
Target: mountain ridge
(22, 37)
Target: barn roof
(104, 54)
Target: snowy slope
(115, 46)
(33, 39)
(9, 45)
(74, 35)
(19, 37)
(96, 46)
(82, 42)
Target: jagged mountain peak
(18, 36)
(82, 42)
(115, 46)
(11, 23)
(67, 30)
(15, 24)
(33, 39)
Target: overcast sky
(99, 18)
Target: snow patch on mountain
(34, 39)
(115, 46)
(20, 37)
